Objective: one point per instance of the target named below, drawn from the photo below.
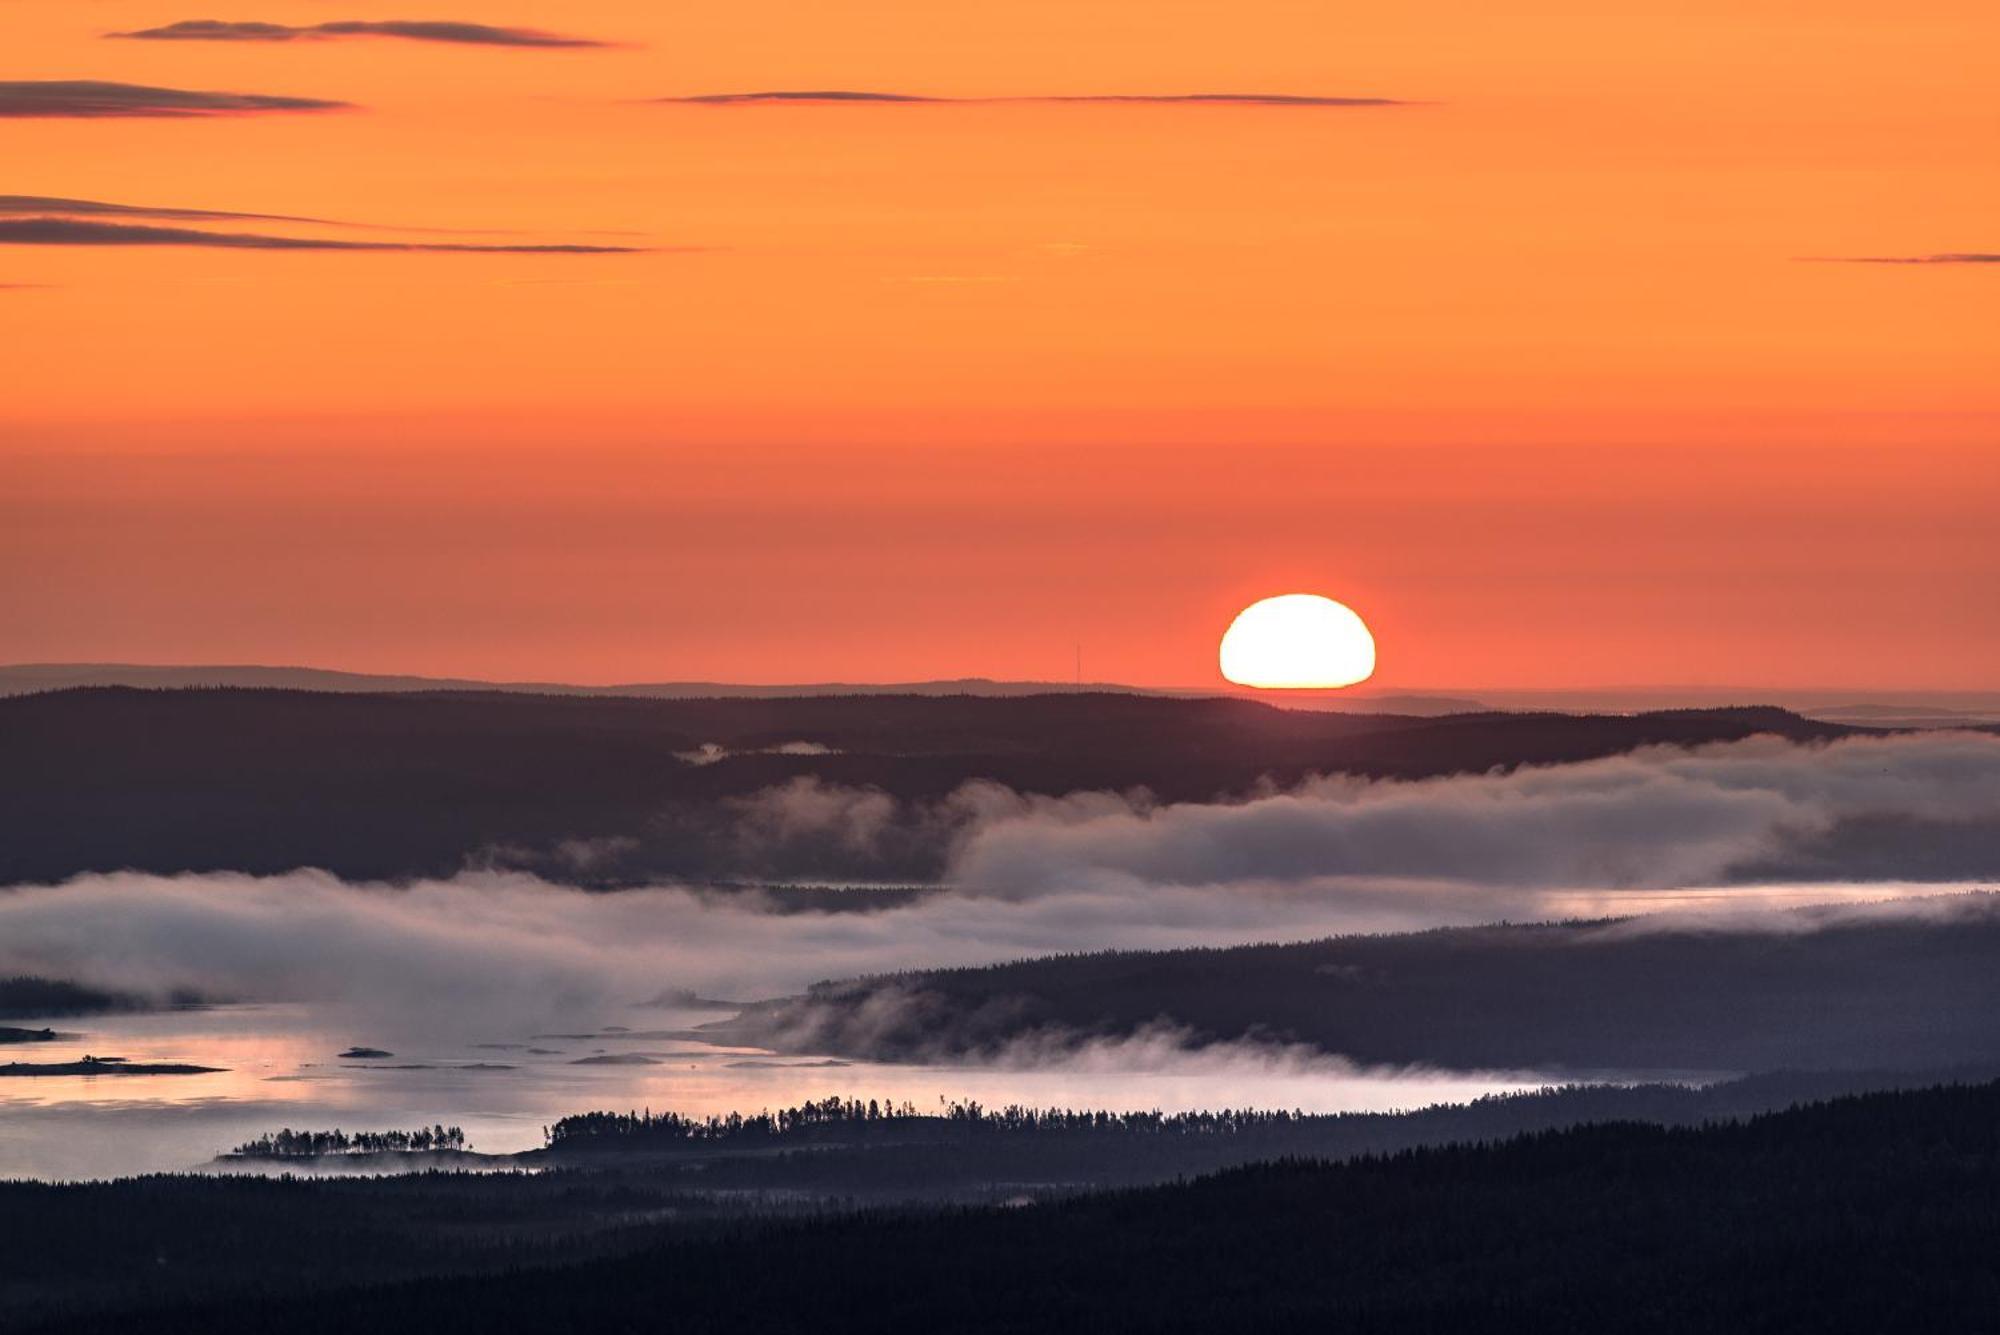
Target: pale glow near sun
(1298, 641)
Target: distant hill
(1926, 707)
(1895, 708)
(399, 785)
(1909, 717)
(1880, 988)
(27, 678)
(22, 678)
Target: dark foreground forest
(608, 1184)
(1870, 1213)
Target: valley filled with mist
(593, 976)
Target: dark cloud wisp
(15, 206)
(87, 232)
(416, 30)
(838, 95)
(1949, 257)
(92, 99)
(1227, 99)
(799, 95)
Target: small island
(290, 1144)
(686, 999)
(10, 1034)
(371, 1054)
(89, 1065)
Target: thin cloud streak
(1225, 99)
(416, 30)
(1949, 257)
(819, 95)
(54, 208)
(91, 99)
(54, 205)
(79, 232)
(834, 96)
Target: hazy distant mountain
(1878, 708)
(1909, 716)
(27, 678)
(1892, 709)
(18, 679)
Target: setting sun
(1298, 641)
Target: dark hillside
(385, 785)
(1868, 1214)
(1870, 990)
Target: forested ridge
(1868, 1213)
(1814, 991)
(404, 785)
(29, 997)
(618, 1181)
(1186, 1142)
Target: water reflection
(284, 1069)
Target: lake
(282, 1068)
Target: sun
(1298, 641)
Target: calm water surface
(282, 1068)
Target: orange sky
(1541, 372)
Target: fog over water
(433, 969)
(283, 1069)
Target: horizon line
(1042, 685)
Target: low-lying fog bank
(488, 952)
(460, 976)
(1705, 828)
(1915, 982)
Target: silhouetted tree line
(653, 1129)
(290, 1144)
(963, 1152)
(967, 1118)
(26, 996)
